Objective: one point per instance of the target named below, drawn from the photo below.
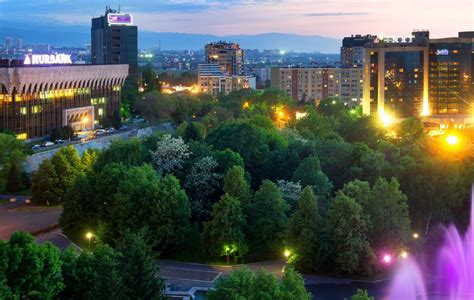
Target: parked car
(111, 130)
(47, 144)
(35, 147)
(100, 132)
(123, 127)
(12, 200)
(58, 141)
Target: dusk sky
(331, 18)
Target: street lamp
(452, 140)
(415, 235)
(227, 252)
(85, 120)
(89, 236)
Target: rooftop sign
(119, 19)
(47, 59)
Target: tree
(388, 212)
(201, 182)
(139, 270)
(412, 130)
(361, 295)
(170, 154)
(309, 173)
(14, 178)
(237, 187)
(170, 218)
(291, 192)
(347, 228)
(194, 131)
(88, 159)
(128, 152)
(44, 185)
(267, 219)
(150, 79)
(226, 159)
(223, 234)
(34, 271)
(245, 284)
(304, 229)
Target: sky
(329, 18)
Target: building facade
(451, 83)
(311, 85)
(34, 100)
(212, 81)
(228, 56)
(114, 40)
(395, 76)
(352, 50)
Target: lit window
(23, 110)
(101, 111)
(21, 136)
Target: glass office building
(450, 77)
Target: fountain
(453, 277)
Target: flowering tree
(291, 192)
(170, 154)
(201, 182)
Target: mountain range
(58, 34)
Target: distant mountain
(57, 34)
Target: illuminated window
(101, 111)
(23, 110)
(22, 136)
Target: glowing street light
(404, 254)
(387, 258)
(227, 252)
(415, 235)
(287, 253)
(246, 105)
(452, 140)
(89, 236)
(386, 119)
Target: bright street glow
(387, 120)
(287, 253)
(282, 52)
(415, 235)
(387, 258)
(280, 114)
(403, 254)
(452, 140)
(89, 235)
(85, 120)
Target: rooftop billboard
(120, 19)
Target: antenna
(119, 9)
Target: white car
(48, 144)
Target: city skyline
(218, 17)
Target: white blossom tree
(291, 192)
(170, 154)
(201, 182)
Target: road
(18, 216)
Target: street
(18, 216)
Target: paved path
(18, 216)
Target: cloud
(337, 14)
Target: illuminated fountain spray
(453, 274)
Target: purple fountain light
(454, 273)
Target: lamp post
(89, 236)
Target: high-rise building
(352, 50)
(114, 40)
(395, 78)
(8, 43)
(451, 83)
(309, 85)
(351, 91)
(19, 44)
(212, 81)
(228, 56)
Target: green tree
(236, 186)
(309, 173)
(45, 185)
(14, 178)
(89, 157)
(128, 152)
(349, 244)
(194, 131)
(303, 231)
(150, 79)
(5, 292)
(139, 270)
(267, 219)
(34, 271)
(361, 295)
(226, 159)
(245, 284)
(388, 212)
(223, 234)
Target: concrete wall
(33, 161)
